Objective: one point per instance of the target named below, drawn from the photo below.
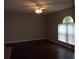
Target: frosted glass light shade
(38, 11)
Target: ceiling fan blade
(51, 3)
(26, 6)
(35, 4)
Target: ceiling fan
(37, 5)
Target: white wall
(22, 27)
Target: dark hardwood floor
(40, 50)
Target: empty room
(39, 29)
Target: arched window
(68, 19)
(66, 30)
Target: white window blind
(62, 32)
(66, 33)
(71, 34)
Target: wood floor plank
(41, 50)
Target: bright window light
(66, 31)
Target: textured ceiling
(26, 5)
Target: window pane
(66, 33)
(68, 19)
(62, 32)
(71, 34)
(62, 37)
(62, 28)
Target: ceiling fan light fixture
(38, 11)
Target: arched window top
(68, 19)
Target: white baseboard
(57, 42)
(24, 40)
